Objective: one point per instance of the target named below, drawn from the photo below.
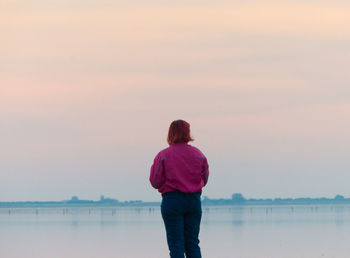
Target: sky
(88, 90)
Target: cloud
(86, 90)
(146, 23)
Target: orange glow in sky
(87, 90)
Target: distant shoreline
(236, 200)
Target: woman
(179, 172)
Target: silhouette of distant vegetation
(236, 199)
(75, 201)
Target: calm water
(248, 231)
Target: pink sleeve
(157, 177)
(205, 171)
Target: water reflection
(237, 215)
(226, 231)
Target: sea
(277, 231)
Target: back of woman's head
(179, 131)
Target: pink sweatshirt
(180, 167)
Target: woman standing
(179, 172)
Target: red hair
(179, 131)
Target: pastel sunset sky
(89, 88)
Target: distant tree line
(75, 201)
(236, 199)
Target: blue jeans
(182, 213)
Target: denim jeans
(182, 214)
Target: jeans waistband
(176, 192)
